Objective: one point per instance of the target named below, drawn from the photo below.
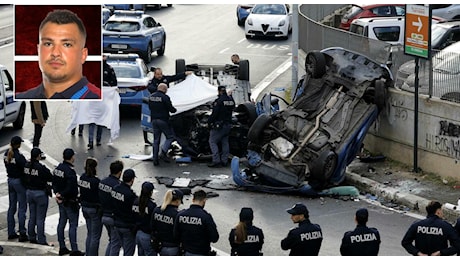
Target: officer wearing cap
(363, 241)
(143, 208)
(195, 228)
(220, 122)
(124, 218)
(14, 164)
(36, 178)
(306, 239)
(105, 196)
(433, 236)
(163, 223)
(246, 239)
(65, 186)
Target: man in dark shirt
(363, 241)
(61, 54)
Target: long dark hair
(144, 200)
(90, 166)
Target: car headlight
(249, 21)
(282, 23)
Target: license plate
(122, 90)
(119, 46)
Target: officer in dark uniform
(143, 208)
(431, 235)
(220, 122)
(306, 239)
(363, 241)
(246, 239)
(109, 78)
(65, 186)
(105, 196)
(160, 106)
(36, 178)
(195, 228)
(158, 78)
(163, 223)
(124, 218)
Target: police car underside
(306, 147)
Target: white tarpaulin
(190, 93)
(105, 112)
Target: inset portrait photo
(58, 52)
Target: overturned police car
(306, 147)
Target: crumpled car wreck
(306, 147)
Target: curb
(20, 245)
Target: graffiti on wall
(447, 141)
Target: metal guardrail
(315, 35)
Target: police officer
(163, 223)
(160, 106)
(105, 196)
(363, 241)
(246, 239)
(306, 239)
(124, 218)
(36, 178)
(159, 78)
(143, 208)
(431, 235)
(109, 78)
(14, 164)
(65, 186)
(195, 228)
(220, 122)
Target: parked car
(134, 32)
(444, 33)
(307, 146)
(242, 12)
(106, 13)
(11, 111)
(158, 6)
(274, 20)
(370, 10)
(446, 75)
(114, 7)
(446, 11)
(132, 76)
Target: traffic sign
(417, 38)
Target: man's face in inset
(61, 52)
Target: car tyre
(249, 113)
(380, 94)
(19, 123)
(148, 54)
(243, 70)
(315, 64)
(180, 66)
(161, 51)
(255, 131)
(169, 5)
(324, 167)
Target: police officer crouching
(363, 241)
(220, 122)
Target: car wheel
(380, 94)
(161, 51)
(180, 66)
(324, 167)
(255, 131)
(248, 113)
(148, 54)
(248, 36)
(243, 70)
(169, 5)
(19, 123)
(315, 64)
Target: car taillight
(138, 88)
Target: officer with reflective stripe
(306, 239)
(195, 228)
(432, 235)
(363, 241)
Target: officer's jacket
(363, 241)
(252, 246)
(36, 175)
(163, 225)
(109, 77)
(222, 109)
(15, 168)
(304, 240)
(196, 230)
(123, 198)
(430, 235)
(105, 194)
(153, 85)
(65, 181)
(143, 222)
(160, 105)
(89, 191)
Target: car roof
(123, 15)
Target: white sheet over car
(191, 93)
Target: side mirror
(158, 24)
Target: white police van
(11, 111)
